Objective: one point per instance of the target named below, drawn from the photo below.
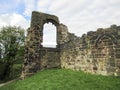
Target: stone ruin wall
(95, 52)
(38, 57)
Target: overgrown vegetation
(11, 52)
(63, 79)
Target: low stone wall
(97, 52)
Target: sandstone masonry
(95, 52)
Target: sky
(80, 16)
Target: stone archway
(113, 39)
(35, 53)
(105, 53)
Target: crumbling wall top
(39, 18)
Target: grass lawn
(64, 79)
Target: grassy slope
(63, 79)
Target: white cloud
(29, 7)
(13, 19)
(80, 16)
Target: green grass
(64, 79)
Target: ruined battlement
(95, 52)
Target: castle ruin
(95, 52)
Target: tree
(11, 48)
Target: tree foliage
(11, 48)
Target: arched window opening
(49, 36)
